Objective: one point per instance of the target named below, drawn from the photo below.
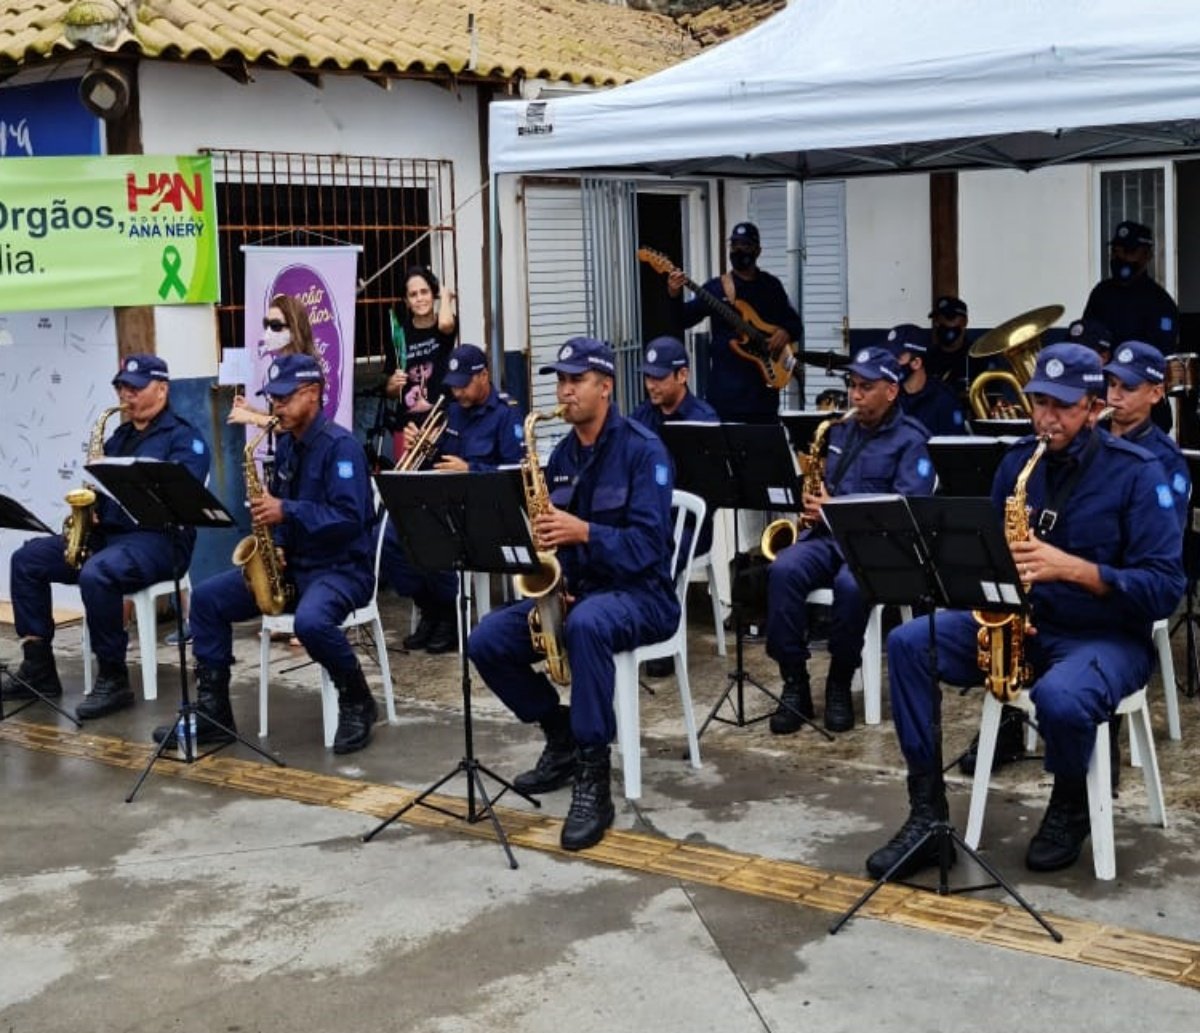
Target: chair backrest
(689, 514)
(383, 522)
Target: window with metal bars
(399, 210)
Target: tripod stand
(164, 496)
(16, 517)
(936, 552)
(740, 467)
(463, 522)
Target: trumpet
(422, 448)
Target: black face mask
(948, 334)
(1122, 270)
(742, 260)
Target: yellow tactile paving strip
(1002, 925)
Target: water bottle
(185, 726)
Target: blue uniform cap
(1092, 333)
(949, 306)
(465, 361)
(290, 372)
(138, 370)
(744, 233)
(1137, 362)
(876, 364)
(663, 356)
(1132, 234)
(907, 337)
(1066, 372)
(580, 354)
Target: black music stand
(462, 522)
(966, 465)
(737, 466)
(160, 495)
(801, 424)
(16, 517)
(948, 552)
(996, 428)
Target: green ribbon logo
(172, 262)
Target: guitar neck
(723, 309)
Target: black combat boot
(419, 639)
(556, 766)
(356, 711)
(1065, 826)
(1010, 742)
(927, 806)
(111, 692)
(37, 671)
(839, 708)
(212, 700)
(591, 801)
(443, 638)
(796, 699)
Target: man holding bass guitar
(743, 383)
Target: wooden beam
(943, 233)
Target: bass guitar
(751, 331)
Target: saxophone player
(318, 507)
(1103, 562)
(120, 558)
(608, 521)
(483, 430)
(879, 450)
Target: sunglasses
(274, 324)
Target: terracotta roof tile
(574, 40)
(724, 21)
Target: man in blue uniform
(483, 430)
(1129, 302)
(1103, 562)
(735, 385)
(123, 559)
(609, 523)
(319, 509)
(666, 370)
(928, 400)
(948, 359)
(1093, 334)
(878, 450)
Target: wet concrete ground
(197, 908)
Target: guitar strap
(729, 288)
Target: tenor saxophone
(77, 525)
(779, 534)
(256, 553)
(1001, 636)
(545, 586)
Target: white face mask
(275, 340)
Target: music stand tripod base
(35, 697)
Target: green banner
(98, 231)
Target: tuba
(422, 448)
(1018, 339)
(546, 586)
(77, 525)
(779, 534)
(1001, 637)
(256, 554)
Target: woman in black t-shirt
(416, 364)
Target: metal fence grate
(388, 206)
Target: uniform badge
(1164, 497)
(273, 372)
(1054, 369)
(566, 351)
(345, 469)
(453, 364)
(652, 355)
(862, 356)
(924, 467)
(131, 366)
(1180, 484)
(1125, 355)
(662, 476)
(198, 446)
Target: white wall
(1024, 240)
(887, 247)
(186, 109)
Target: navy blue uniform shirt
(1121, 516)
(167, 436)
(1139, 310)
(1162, 446)
(890, 459)
(735, 386)
(327, 507)
(690, 410)
(935, 407)
(622, 486)
(487, 435)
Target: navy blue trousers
(597, 627)
(809, 564)
(325, 600)
(126, 563)
(425, 588)
(1080, 681)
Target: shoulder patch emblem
(198, 446)
(924, 467)
(1165, 501)
(1180, 484)
(662, 476)
(345, 469)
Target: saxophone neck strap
(1055, 503)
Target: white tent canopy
(845, 87)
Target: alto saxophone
(779, 534)
(1001, 636)
(77, 525)
(546, 586)
(256, 554)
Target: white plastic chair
(872, 654)
(145, 605)
(1166, 670)
(285, 624)
(707, 565)
(626, 689)
(1099, 775)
